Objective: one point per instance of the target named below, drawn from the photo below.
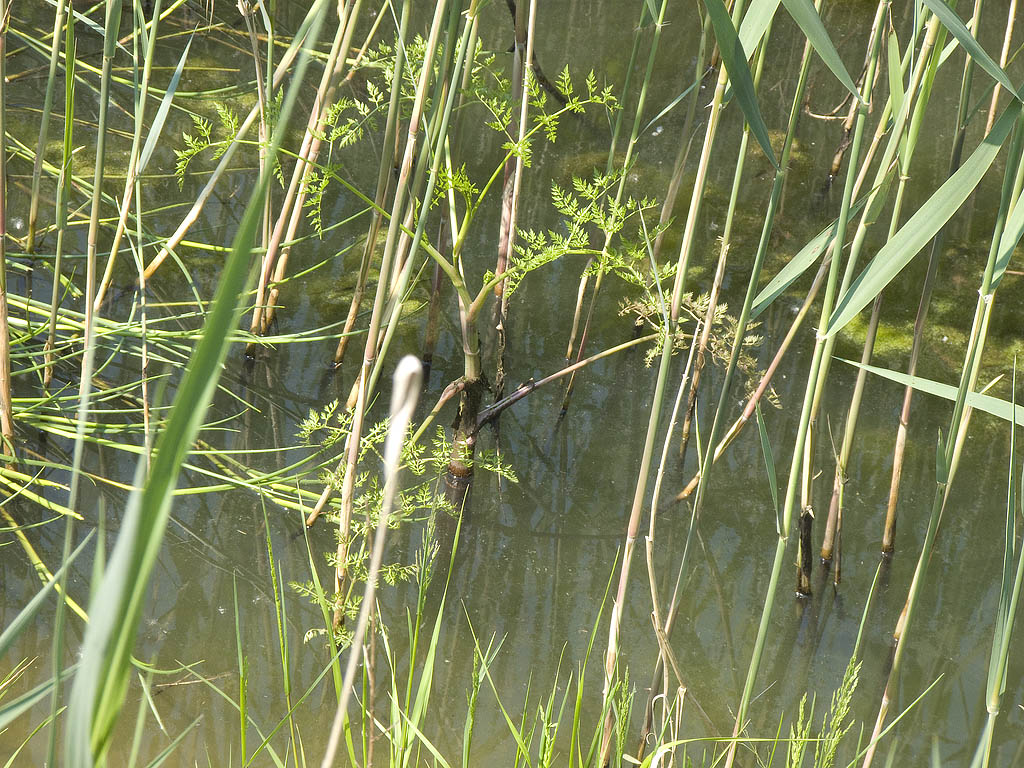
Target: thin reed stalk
(919, 91)
(111, 26)
(774, 203)
(190, 218)
(640, 492)
(390, 258)
(525, 23)
(700, 180)
(668, 205)
(281, 268)
(263, 96)
(662, 621)
(6, 407)
(609, 165)
(896, 157)
(948, 451)
(63, 193)
(135, 165)
(1004, 53)
(44, 123)
(752, 402)
(388, 161)
(275, 260)
(899, 448)
(405, 391)
(826, 311)
(627, 163)
(723, 255)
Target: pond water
(535, 557)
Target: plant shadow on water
(600, 257)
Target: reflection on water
(535, 558)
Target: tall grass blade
(799, 264)
(12, 710)
(1012, 233)
(923, 225)
(116, 604)
(963, 35)
(809, 21)
(157, 126)
(735, 59)
(755, 21)
(15, 628)
(169, 750)
(995, 406)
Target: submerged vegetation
(224, 224)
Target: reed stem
(805, 413)
(6, 407)
(44, 124)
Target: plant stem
(44, 125)
(805, 413)
(6, 409)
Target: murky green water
(535, 557)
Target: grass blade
(25, 615)
(755, 21)
(923, 225)
(963, 35)
(161, 114)
(994, 406)
(739, 74)
(809, 21)
(102, 678)
(798, 264)
(14, 709)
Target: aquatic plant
(180, 197)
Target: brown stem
(766, 380)
(492, 411)
(197, 207)
(705, 336)
(1011, 16)
(292, 206)
(388, 166)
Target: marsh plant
(206, 205)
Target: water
(535, 558)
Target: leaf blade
(809, 21)
(923, 225)
(735, 60)
(959, 30)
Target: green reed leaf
(963, 35)
(895, 73)
(735, 60)
(1013, 230)
(923, 225)
(165, 106)
(755, 21)
(809, 21)
(798, 264)
(992, 405)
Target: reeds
(6, 409)
(86, 377)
